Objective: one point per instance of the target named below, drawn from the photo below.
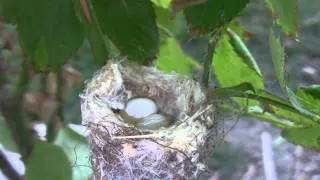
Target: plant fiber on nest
(120, 150)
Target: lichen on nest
(121, 150)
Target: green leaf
(258, 113)
(240, 30)
(162, 3)
(307, 137)
(10, 9)
(309, 98)
(130, 25)
(231, 70)
(6, 137)
(164, 21)
(48, 161)
(41, 56)
(54, 23)
(286, 14)
(277, 55)
(313, 90)
(242, 50)
(237, 90)
(294, 116)
(98, 42)
(272, 108)
(98, 45)
(212, 14)
(296, 102)
(173, 58)
(77, 149)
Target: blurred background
(240, 155)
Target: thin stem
(58, 117)
(207, 66)
(59, 96)
(44, 83)
(165, 30)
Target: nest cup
(121, 150)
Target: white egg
(141, 107)
(153, 122)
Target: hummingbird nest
(122, 150)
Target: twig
(267, 154)
(146, 136)
(12, 109)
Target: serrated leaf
(274, 106)
(76, 148)
(277, 55)
(54, 23)
(173, 58)
(231, 70)
(294, 116)
(260, 114)
(309, 98)
(242, 50)
(296, 102)
(130, 25)
(286, 14)
(48, 161)
(212, 14)
(307, 137)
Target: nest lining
(122, 151)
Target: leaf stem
(165, 30)
(57, 118)
(213, 41)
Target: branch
(11, 106)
